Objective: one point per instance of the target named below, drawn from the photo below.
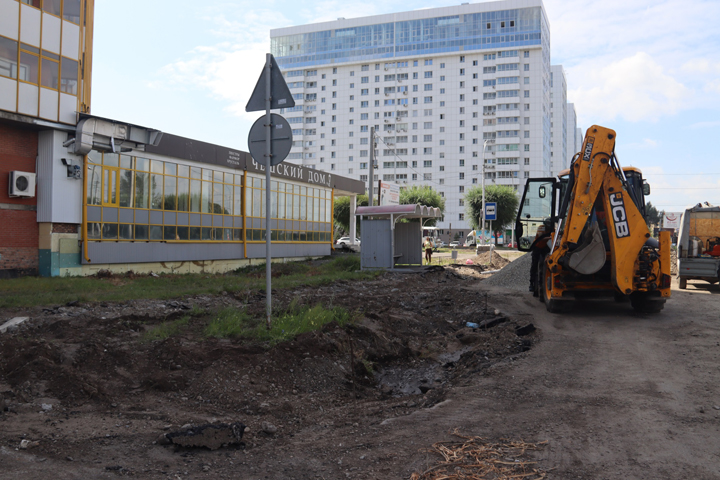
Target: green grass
(166, 329)
(234, 323)
(31, 291)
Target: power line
(681, 188)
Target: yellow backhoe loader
(587, 232)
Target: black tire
(620, 298)
(682, 283)
(540, 280)
(643, 302)
(552, 305)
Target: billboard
(671, 220)
(389, 193)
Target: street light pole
(482, 225)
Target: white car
(454, 244)
(346, 241)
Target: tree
(423, 195)
(341, 211)
(507, 205)
(653, 216)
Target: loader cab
(537, 207)
(638, 187)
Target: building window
(461, 216)
(142, 184)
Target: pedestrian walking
(428, 250)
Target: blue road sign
(490, 211)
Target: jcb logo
(619, 216)
(588, 148)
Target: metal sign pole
(265, 98)
(268, 164)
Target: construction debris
(212, 436)
(479, 459)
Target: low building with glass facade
(198, 204)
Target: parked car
(346, 241)
(439, 243)
(454, 244)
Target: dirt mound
(516, 275)
(491, 260)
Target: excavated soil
(81, 380)
(602, 392)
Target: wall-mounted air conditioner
(22, 184)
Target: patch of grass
(369, 366)
(350, 263)
(231, 323)
(166, 329)
(31, 291)
(234, 323)
(197, 311)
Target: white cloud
(645, 144)
(634, 88)
(700, 125)
(671, 44)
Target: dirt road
(614, 394)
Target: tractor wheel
(540, 280)
(642, 302)
(682, 283)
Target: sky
(648, 69)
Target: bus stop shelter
(385, 241)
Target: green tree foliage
(507, 205)
(653, 216)
(423, 195)
(341, 212)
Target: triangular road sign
(279, 91)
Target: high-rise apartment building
(443, 87)
(558, 120)
(572, 144)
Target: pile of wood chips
(478, 459)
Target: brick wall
(18, 228)
(18, 150)
(65, 228)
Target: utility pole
(371, 179)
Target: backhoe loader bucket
(590, 256)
